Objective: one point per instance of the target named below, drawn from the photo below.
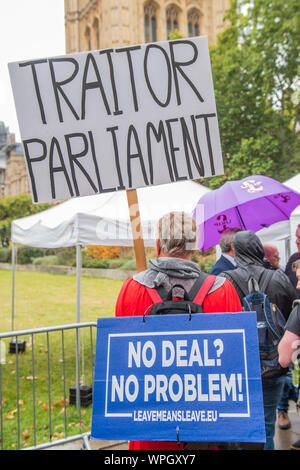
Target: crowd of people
(243, 257)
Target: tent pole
(13, 263)
(136, 227)
(78, 273)
(78, 281)
(287, 248)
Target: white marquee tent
(102, 219)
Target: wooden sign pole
(136, 227)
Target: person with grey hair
(226, 261)
(272, 257)
(175, 273)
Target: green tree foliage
(16, 207)
(255, 66)
(176, 34)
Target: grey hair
(227, 239)
(177, 233)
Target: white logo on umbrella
(252, 186)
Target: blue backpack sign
(178, 377)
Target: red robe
(134, 299)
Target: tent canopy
(282, 234)
(294, 183)
(283, 230)
(103, 219)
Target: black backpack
(270, 322)
(163, 303)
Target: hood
(248, 249)
(163, 268)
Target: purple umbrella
(252, 203)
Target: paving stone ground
(283, 439)
(95, 445)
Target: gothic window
(150, 22)
(172, 20)
(88, 38)
(194, 23)
(96, 34)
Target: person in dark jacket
(226, 261)
(249, 257)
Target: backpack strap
(253, 285)
(296, 303)
(273, 328)
(262, 282)
(197, 285)
(170, 294)
(157, 294)
(201, 288)
(235, 281)
(264, 279)
(197, 294)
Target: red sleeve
(223, 300)
(133, 299)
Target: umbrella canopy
(252, 203)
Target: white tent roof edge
(282, 234)
(103, 219)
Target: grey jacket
(167, 272)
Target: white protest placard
(116, 119)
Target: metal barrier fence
(22, 413)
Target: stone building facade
(16, 180)
(3, 143)
(2, 173)
(13, 176)
(102, 24)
